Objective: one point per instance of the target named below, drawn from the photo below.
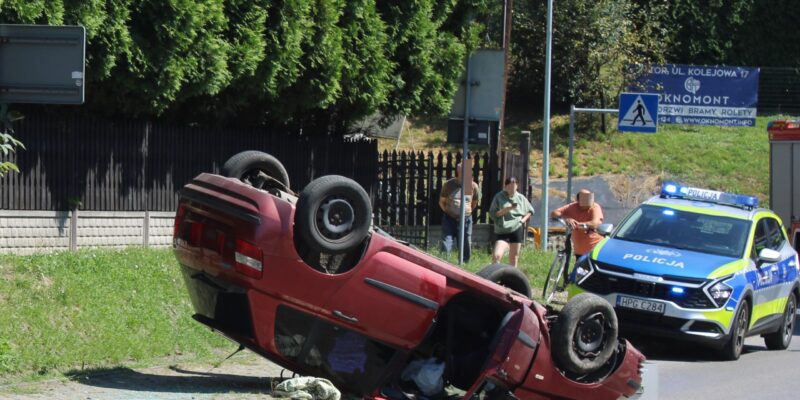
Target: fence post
(525, 149)
(73, 229)
(146, 228)
(430, 201)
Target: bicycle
(559, 267)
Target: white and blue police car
(699, 265)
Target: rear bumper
(218, 303)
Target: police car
(697, 264)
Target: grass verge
(95, 308)
(732, 159)
(533, 262)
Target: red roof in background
(784, 130)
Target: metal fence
(105, 165)
(779, 91)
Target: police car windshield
(686, 230)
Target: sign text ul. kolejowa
(703, 95)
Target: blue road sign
(638, 112)
(703, 95)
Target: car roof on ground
(700, 206)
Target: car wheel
(248, 167)
(781, 339)
(508, 276)
(333, 214)
(585, 335)
(733, 347)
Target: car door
(511, 354)
(762, 276)
(391, 296)
(767, 279)
(783, 270)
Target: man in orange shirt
(583, 216)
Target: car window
(687, 230)
(775, 238)
(352, 359)
(759, 240)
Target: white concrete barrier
(25, 232)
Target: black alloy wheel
(733, 348)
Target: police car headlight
(720, 293)
(583, 268)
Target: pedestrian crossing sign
(638, 112)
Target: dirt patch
(44, 283)
(243, 377)
(536, 193)
(632, 190)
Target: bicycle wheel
(554, 277)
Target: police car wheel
(781, 339)
(585, 336)
(733, 347)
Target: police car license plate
(641, 304)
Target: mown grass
(95, 308)
(722, 158)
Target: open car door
(511, 355)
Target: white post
(546, 133)
(463, 172)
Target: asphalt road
(690, 372)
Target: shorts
(513, 237)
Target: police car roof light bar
(678, 191)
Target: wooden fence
(408, 186)
(406, 194)
(107, 165)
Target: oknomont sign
(703, 95)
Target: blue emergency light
(678, 191)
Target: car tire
(733, 347)
(246, 165)
(508, 276)
(585, 335)
(781, 339)
(333, 215)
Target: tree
(8, 145)
(706, 32)
(301, 63)
(593, 44)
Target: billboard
(42, 64)
(486, 93)
(701, 95)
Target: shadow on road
(797, 325)
(673, 350)
(184, 381)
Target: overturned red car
(306, 281)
